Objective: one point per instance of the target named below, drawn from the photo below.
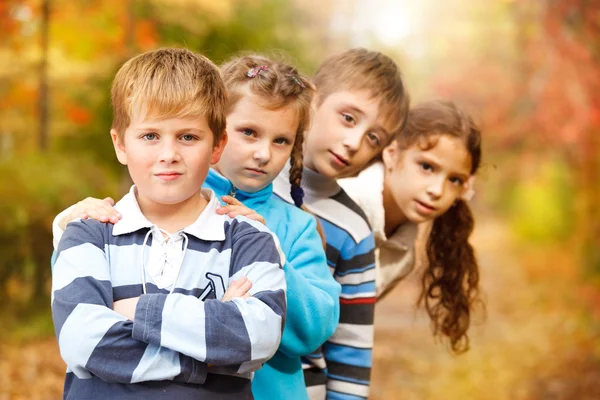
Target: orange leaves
(145, 35)
(78, 115)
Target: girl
(268, 111)
(423, 176)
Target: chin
(169, 200)
(327, 171)
(251, 186)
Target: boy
(360, 103)
(140, 307)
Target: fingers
(100, 210)
(238, 288)
(231, 290)
(231, 200)
(244, 288)
(234, 210)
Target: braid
(450, 282)
(296, 164)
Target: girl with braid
(268, 111)
(426, 174)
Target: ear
(218, 149)
(468, 190)
(390, 155)
(119, 146)
(315, 101)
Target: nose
(169, 152)
(352, 140)
(262, 153)
(435, 189)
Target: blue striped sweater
(186, 344)
(343, 363)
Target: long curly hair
(450, 284)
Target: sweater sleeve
(313, 295)
(241, 332)
(348, 352)
(92, 338)
(57, 232)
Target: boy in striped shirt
(360, 103)
(141, 308)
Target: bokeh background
(529, 72)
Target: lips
(340, 159)
(257, 171)
(425, 206)
(168, 176)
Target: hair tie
(297, 80)
(297, 195)
(253, 72)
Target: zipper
(232, 191)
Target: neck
(172, 217)
(394, 217)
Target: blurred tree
(530, 72)
(43, 76)
(562, 67)
(70, 78)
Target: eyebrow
(256, 127)
(155, 129)
(379, 128)
(433, 160)
(354, 108)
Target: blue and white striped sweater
(175, 336)
(344, 361)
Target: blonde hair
(279, 85)
(168, 83)
(362, 69)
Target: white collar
(366, 189)
(208, 226)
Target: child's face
(346, 133)
(168, 159)
(425, 183)
(260, 143)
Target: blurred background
(529, 72)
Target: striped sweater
(185, 343)
(343, 363)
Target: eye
(457, 181)
(373, 138)
(248, 132)
(349, 119)
(426, 166)
(188, 137)
(150, 136)
(282, 141)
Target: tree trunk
(43, 71)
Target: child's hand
(126, 307)
(238, 288)
(235, 207)
(100, 210)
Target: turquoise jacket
(312, 292)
